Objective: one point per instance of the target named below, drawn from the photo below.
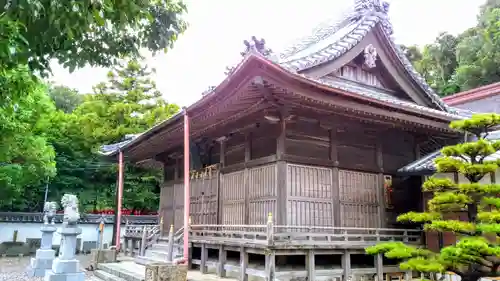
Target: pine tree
(476, 254)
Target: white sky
(217, 29)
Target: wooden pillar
(177, 178)
(221, 271)
(204, 256)
(335, 177)
(282, 200)
(222, 163)
(379, 267)
(248, 147)
(243, 264)
(187, 195)
(222, 151)
(248, 157)
(346, 265)
(118, 213)
(270, 266)
(380, 194)
(310, 265)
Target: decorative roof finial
(256, 46)
(378, 7)
(208, 91)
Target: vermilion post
(120, 199)
(186, 186)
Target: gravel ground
(14, 269)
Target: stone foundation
(102, 256)
(166, 272)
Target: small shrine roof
(426, 165)
(473, 94)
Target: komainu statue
(70, 204)
(49, 212)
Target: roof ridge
(466, 93)
(319, 32)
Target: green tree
(479, 53)
(476, 254)
(127, 103)
(25, 156)
(76, 33)
(65, 98)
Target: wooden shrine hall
(293, 158)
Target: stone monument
(45, 255)
(66, 267)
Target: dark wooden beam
(335, 178)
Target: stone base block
(166, 272)
(51, 276)
(41, 263)
(103, 256)
(65, 266)
(45, 254)
(36, 272)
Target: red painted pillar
(119, 201)
(186, 186)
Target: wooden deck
(290, 237)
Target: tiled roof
(426, 164)
(473, 94)
(109, 149)
(384, 95)
(330, 41)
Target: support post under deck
(310, 265)
(379, 266)
(346, 265)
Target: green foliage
(95, 32)
(35, 134)
(65, 99)
(26, 159)
(127, 103)
(457, 63)
(477, 251)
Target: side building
(309, 141)
(481, 99)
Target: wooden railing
(271, 234)
(139, 237)
(290, 235)
(265, 235)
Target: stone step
(163, 239)
(128, 271)
(143, 260)
(160, 255)
(105, 276)
(160, 247)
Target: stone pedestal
(166, 272)
(45, 255)
(66, 267)
(102, 256)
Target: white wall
(32, 230)
(461, 179)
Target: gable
(386, 71)
(486, 104)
